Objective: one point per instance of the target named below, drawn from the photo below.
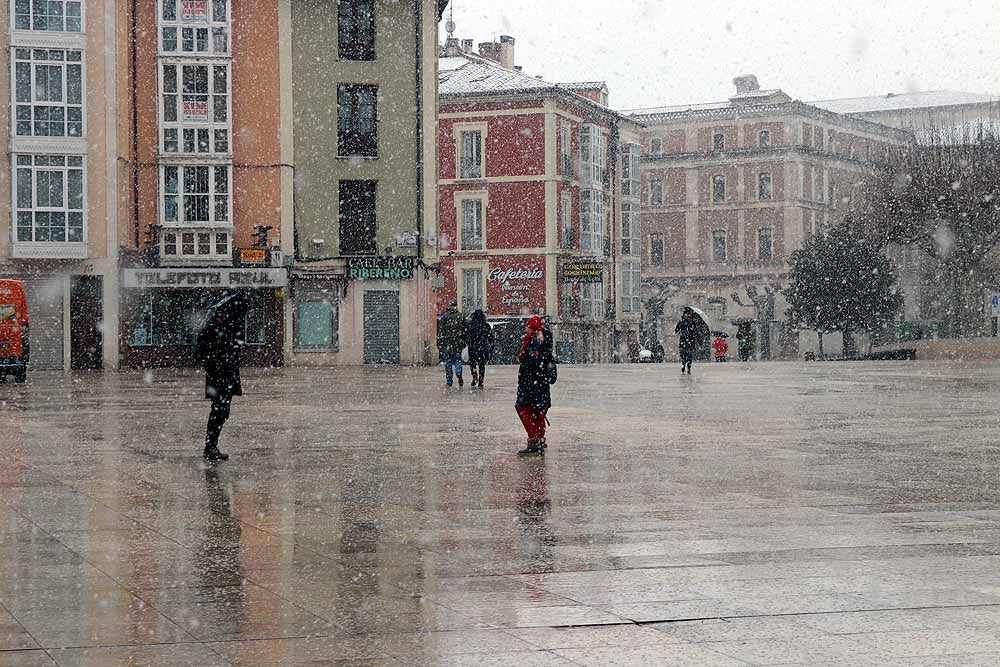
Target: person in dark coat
(536, 373)
(744, 335)
(688, 328)
(479, 336)
(218, 348)
(450, 341)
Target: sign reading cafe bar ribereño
(380, 268)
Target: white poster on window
(195, 111)
(194, 10)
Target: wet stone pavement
(776, 514)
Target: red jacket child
(721, 347)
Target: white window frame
(630, 228)
(764, 139)
(631, 170)
(631, 284)
(760, 186)
(592, 305)
(459, 130)
(725, 245)
(592, 221)
(593, 154)
(173, 245)
(209, 24)
(656, 146)
(565, 150)
(656, 192)
(33, 103)
(770, 232)
(718, 145)
(34, 30)
(210, 125)
(51, 249)
(461, 268)
(213, 196)
(566, 221)
(819, 184)
(482, 198)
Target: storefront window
(170, 318)
(316, 322)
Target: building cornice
(795, 108)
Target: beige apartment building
(61, 211)
(729, 190)
(359, 149)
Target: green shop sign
(380, 268)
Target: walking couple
(455, 334)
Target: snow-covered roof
(583, 85)
(467, 75)
(677, 108)
(895, 102)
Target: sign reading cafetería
(211, 278)
(380, 268)
(583, 272)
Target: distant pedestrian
(720, 347)
(536, 373)
(450, 341)
(218, 348)
(688, 328)
(745, 339)
(479, 337)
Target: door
(45, 308)
(85, 314)
(381, 327)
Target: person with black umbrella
(218, 348)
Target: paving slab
(772, 514)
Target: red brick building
(539, 203)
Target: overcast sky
(656, 52)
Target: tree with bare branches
(943, 196)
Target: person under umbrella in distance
(218, 348)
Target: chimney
(467, 45)
(490, 51)
(746, 84)
(451, 49)
(507, 51)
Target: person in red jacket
(720, 347)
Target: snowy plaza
(763, 514)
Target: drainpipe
(419, 87)
(133, 74)
(615, 222)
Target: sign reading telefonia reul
(212, 278)
(380, 268)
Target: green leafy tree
(842, 282)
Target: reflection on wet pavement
(776, 514)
